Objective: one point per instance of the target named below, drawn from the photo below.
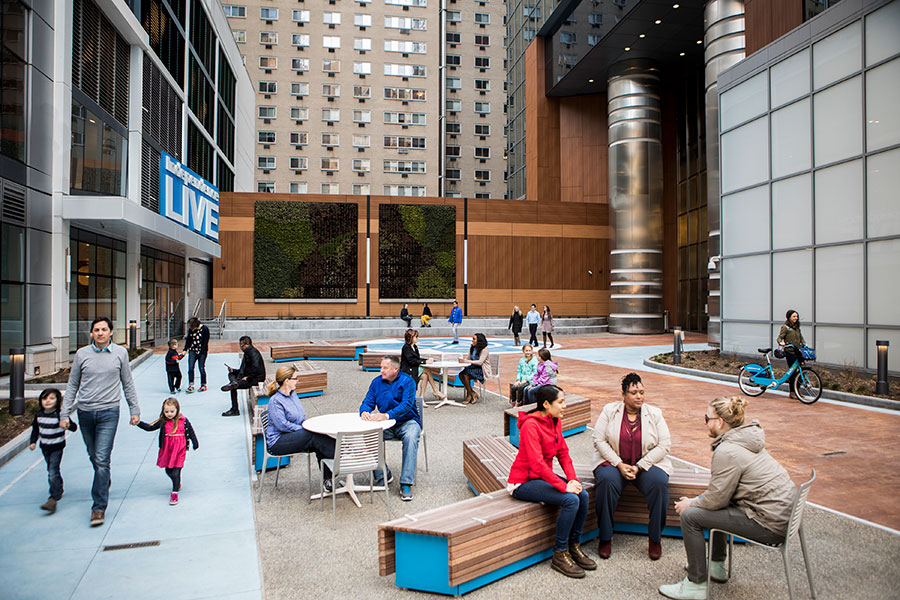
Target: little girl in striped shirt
(45, 427)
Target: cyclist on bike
(790, 335)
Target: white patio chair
(795, 527)
(264, 421)
(356, 452)
(494, 359)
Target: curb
(829, 394)
(11, 448)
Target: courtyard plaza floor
(218, 543)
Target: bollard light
(17, 381)
(676, 353)
(132, 334)
(881, 382)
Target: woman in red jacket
(532, 479)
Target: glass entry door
(160, 317)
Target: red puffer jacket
(540, 439)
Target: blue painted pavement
(445, 345)
(207, 542)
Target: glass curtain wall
(162, 295)
(13, 54)
(12, 292)
(810, 148)
(97, 286)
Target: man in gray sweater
(100, 372)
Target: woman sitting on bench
(631, 444)
(532, 479)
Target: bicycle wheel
(808, 386)
(747, 385)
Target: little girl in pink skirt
(174, 432)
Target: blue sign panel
(187, 198)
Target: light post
(17, 381)
(132, 334)
(676, 354)
(881, 382)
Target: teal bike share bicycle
(755, 379)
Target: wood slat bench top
(315, 349)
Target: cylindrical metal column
(635, 198)
(723, 24)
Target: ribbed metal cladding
(636, 198)
(723, 23)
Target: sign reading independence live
(187, 198)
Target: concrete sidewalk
(207, 543)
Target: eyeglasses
(707, 418)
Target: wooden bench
(576, 417)
(319, 350)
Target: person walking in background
(790, 334)
(251, 372)
(631, 444)
(99, 375)
(533, 319)
(173, 371)
(749, 494)
(404, 315)
(524, 375)
(426, 315)
(196, 344)
(547, 325)
(174, 433)
(515, 323)
(455, 319)
(531, 478)
(45, 427)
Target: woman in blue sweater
(285, 433)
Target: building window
(452, 174)
(454, 83)
(362, 91)
(482, 40)
(300, 16)
(404, 94)
(362, 116)
(482, 18)
(398, 70)
(482, 152)
(482, 195)
(300, 40)
(364, 44)
(300, 64)
(483, 85)
(404, 118)
(482, 62)
(483, 107)
(299, 113)
(299, 163)
(420, 3)
(362, 68)
(453, 59)
(268, 38)
(299, 138)
(331, 18)
(265, 137)
(99, 150)
(299, 187)
(404, 166)
(331, 139)
(299, 88)
(362, 165)
(331, 90)
(265, 112)
(482, 175)
(268, 14)
(361, 141)
(482, 129)
(453, 37)
(331, 188)
(452, 151)
(331, 114)
(454, 105)
(453, 127)
(404, 141)
(265, 162)
(235, 12)
(332, 42)
(404, 190)
(331, 66)
(453, 16)
(362, 20)
(361, 189)
(268, 62)
(405, 23)
(268, 87)
(240, 37)
(265, 187)
(405, 46)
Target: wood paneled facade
(519, 252)
(767, 20)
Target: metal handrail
(203, 309)
(220, 320)
(150, 308)
(196, 310)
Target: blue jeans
(408, 433)
(53, 458)
(98, 429)
(572, 512)
(455, 327)
(193, 357)
(653, 485)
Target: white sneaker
(684, 590)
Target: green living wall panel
(416, 251)
(305, 250)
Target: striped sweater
(45, 427)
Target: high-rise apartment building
(352, 97)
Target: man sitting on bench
(393, 394)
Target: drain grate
(131, 546)
(836, 453)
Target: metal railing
(175, 323)
(149, 325)
(203, 309)
(220, 320)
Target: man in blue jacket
(392, 395)
(455, 319)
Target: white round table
(331, 425)
(444, 366)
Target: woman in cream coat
(631, 443)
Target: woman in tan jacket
(631, 443)
(749, 494)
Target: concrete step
(361, 329)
